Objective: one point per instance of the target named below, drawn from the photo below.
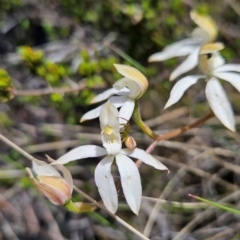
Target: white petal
(86, 151)
(228, 68)
(43, 168)
(189, 63)
(131, 182)
(94, 113)
(105, 95)
(180, 87)
(232, 78)
(126, 111)
(220, 104)
(144, 157)
(180, 48)
(105, 183)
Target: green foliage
(30, 56)
(5, 120)
(95, 64)
(143, 24)
(5, 86)
(53, 73)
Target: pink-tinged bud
(130, 143)
(50, 183)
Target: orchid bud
(207, 27)
(130, 143)
(50, 183)
(133, 79)
(210, 58)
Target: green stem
(142, 125)
(78, 207)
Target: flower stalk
(78, 207)
(140, 123)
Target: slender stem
(118, 219)
(184, 129)
(138, 120)
(175, 133)
(46, 91)
(17, 148)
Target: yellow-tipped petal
(139, 82)
(211, 47)
(206, 23)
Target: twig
(125, 224)
(175, 133)
(46, 91)
(186, 205)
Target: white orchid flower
(206, 32)
(127, 90)
(129, 174)
(211, 63)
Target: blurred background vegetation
(59, 44)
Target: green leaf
(128, 58)
(218, 205)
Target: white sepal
(81, 152)
(219, 103)
(104, 95)
(228, 68)
(233, 78)
(144, 157)
(189, 63)
(180, 48)
(117, 101)
(94, 113)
